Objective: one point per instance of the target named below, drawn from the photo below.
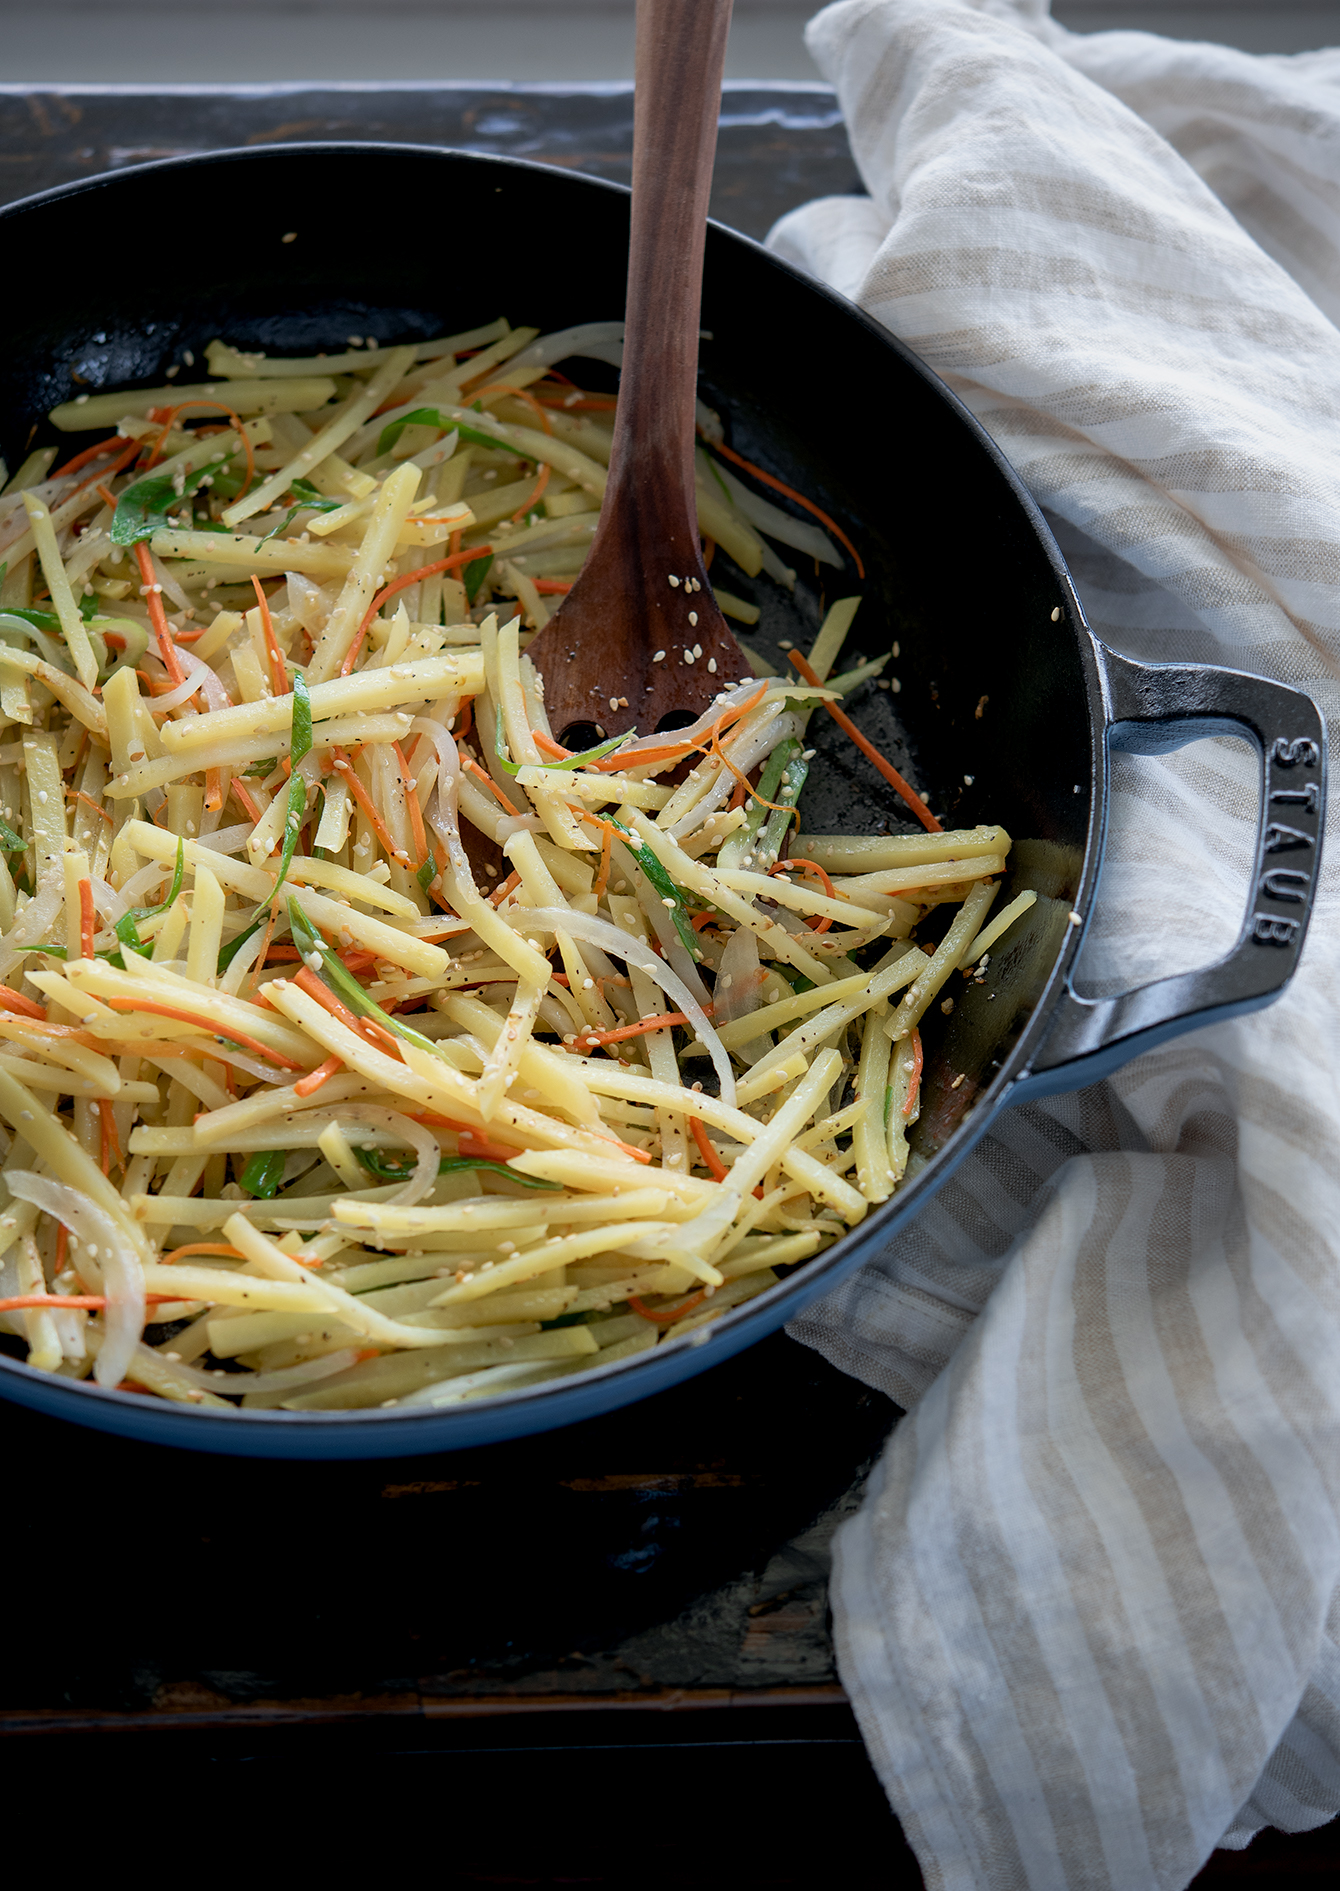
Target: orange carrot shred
(203, 1247)
(516, 394)
(168, 414)
(109, 1141)
(314, 1079)
(399, 584)
(537, 494)
(777, 485)
(468, 761)
(810, 866)
(279, 682)
(603, 877)
(114, 444)
(205, 1024)
(666, 1316)
(660, 1023)
(871, 753)
(915, 1086)
(715, 1166)
(93, 1302)
(11, 1000)
(345, 767)
(77, 794)
(87, 921)
(244, 798)
(415, 811)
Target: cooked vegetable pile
(362, 1046)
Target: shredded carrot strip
(203, 1247)
(509, 885)
(810, 866)
(871, 753)
(778, 807)
(305, 1086)
(77, 794)
(674, 750)
(121, 461)
(660, 1023)
(345, 767)
(538, 492)
(415, 811)
(399, 584)
(603, 877)
(168, 414)
(516, 394)
(473, 1142)
(109, 1141)
(87, 921)
(768, 479)
(589, 404)
(244, 798)
(94, 1302)
(11, 1000)
(715, 1166)
(114, 444)
(468, 761)
(666, 1316)
(482, 1145)
(205, 1024)
(308, 981)
(158, 616)
(269, 932)
(279, 682)
(914, 1088)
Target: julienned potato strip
(302, 1108)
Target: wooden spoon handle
(681, 52)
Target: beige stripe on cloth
(1088, 1613)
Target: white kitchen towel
(1089, 1612)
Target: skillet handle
(1154, 708)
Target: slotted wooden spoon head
(640, 638)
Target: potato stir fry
(362, 1045)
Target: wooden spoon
(639, 641)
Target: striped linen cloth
(1088, 1612)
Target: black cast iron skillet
(125, 273)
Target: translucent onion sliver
(117, 1261)
(587, 927)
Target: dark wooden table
(600, 1656)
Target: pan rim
(404, 1431)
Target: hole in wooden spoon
(579, 736)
